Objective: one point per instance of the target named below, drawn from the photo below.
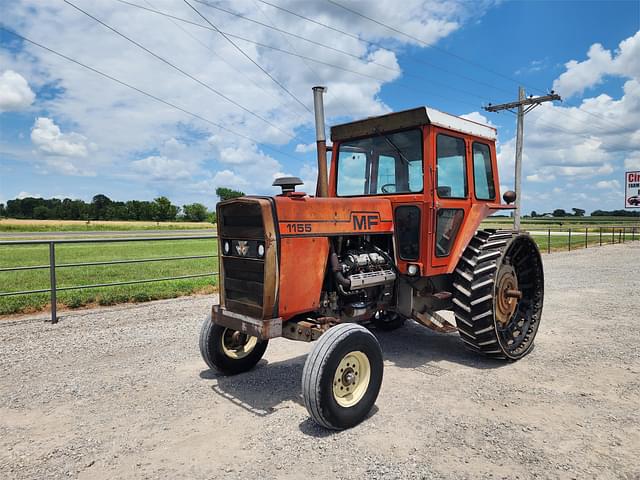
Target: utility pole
(530, 103)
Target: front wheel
(229, 351)
(342, 376)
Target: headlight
(412, 270)
(226, 246)
(260, 250)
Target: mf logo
(242, 248)
(365, 221)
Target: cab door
(451, 193)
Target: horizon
(68, 132)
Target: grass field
(22, 255)
(17, 225)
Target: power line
(447, 52)
(146, 94)
(285, 32)
(375, 44)
(167, 62)
(320, 44)
(204, 45)
(419, 40)
(275, 80)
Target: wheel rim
(351, 379)
(518, 297)
(237, 345)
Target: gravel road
(122, 393)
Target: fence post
(52, 281)
(548, 240)
(613, 235)
(586, 236)
(600, 236)
(569, 239)
(624, 233)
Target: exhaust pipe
(322, 185)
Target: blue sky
(65, 131)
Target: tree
(559, 212)
(41, 212)
(3, 211)
(164, 210)
(578, 212)
(227, 193)
(99, 205)
(195, 212)
(534, 214)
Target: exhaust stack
(322, 186)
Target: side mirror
(509, 196)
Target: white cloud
(15, 93)
(24, 194)
(632, 162)
(608, 185)
(538, 177)
(305, 148)
(478, 118)
(46, 135)
(600, 62)
(163, 168)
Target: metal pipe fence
(592, 236)
(52, 266)
(599, 234)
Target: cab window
(483, 172)
(450, 167)
(381, 164)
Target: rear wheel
(229, 351)
(342, 376)
(499, 290)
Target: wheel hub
(507, 294)
(351, 379)
(236, 344)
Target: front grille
(242, 222)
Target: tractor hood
(305, 216)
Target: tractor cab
(438, 171)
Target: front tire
(229, 351)
(342, 376)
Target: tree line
(101, 207)
(579, 212)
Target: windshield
(381, 164)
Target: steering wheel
(384, 187)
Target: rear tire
(229, 351)
(342, 376)
(498, 294)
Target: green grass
(23, 255)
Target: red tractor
(392, 234)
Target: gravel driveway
(122, 393)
